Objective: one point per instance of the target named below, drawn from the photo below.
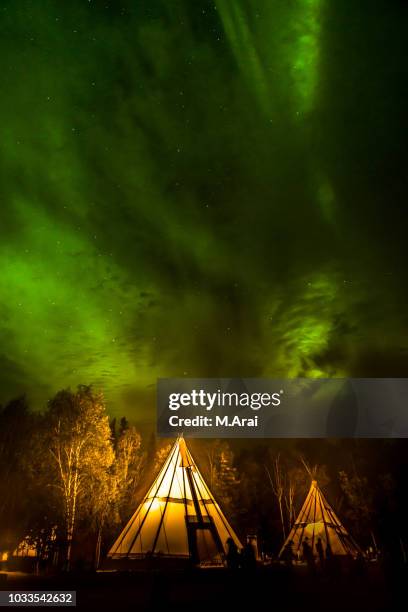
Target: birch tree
(129, 464)
(81, 451)
(277, 482)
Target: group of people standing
(325, 556)
(244, 559)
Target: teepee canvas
(178, 517)
(317, 519)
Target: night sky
(193, 188)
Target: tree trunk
(71, 524)
(70, 532)
(282, 518)
(98, 548)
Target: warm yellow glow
(317, 519)
(178, 496)
(4, 556)
(154, 505)
(315, 529)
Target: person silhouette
(288, 555)
(232, 555)
(330, 561)
(320, 551)
(248, 561)
(308, 555)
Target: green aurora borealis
(200, 189)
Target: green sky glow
(211, 190)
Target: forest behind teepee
(70, 478)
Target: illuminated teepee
(317, 519)
(178, 517)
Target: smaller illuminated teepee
(317, 519)
(178, 518)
